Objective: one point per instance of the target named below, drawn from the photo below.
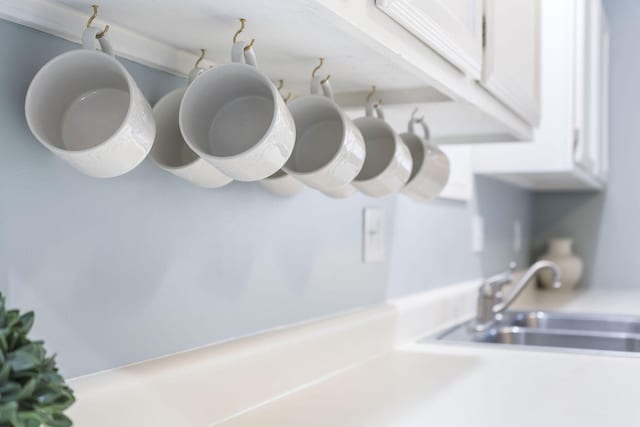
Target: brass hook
(102, 33)
(280, 84)
(326, 79)
(202, 52)
(92, 17)
(287, 98)
(95, 14)
(315, 70)
(235, 36)
(414, 118)
(373, 91)
(250, 45)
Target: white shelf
(362, 47)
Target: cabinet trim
(432, 34)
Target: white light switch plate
(477, 234)
(517, 236)
(373, 238)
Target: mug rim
(343, 118)
(274, 94)
(395, 151)
(52, 62)
(153, 158)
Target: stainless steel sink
(557, 330)
(580, 322)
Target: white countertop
(365, 368)
(443, 385)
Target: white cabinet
(511, 60)
(569, 147)
(495, 42)
(591, 101)
(453, 28)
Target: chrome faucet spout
(526, 279)
(491, 304)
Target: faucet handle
(492, 286)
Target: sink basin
(564, 339)
(556, 330)
(569, 321)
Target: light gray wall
(143, 265)
(604, 226)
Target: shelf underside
(290, 37)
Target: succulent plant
(32, 393)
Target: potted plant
(32, 392)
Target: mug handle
(89, 40)
(425, 128)
(241, 56)
(370, 107)
(194, 73)
(320, 86)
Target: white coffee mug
(86, 108)
(341, 192)
(431, 168)
(282, 184)
(233, 117)
(329, 150)
(388, 163)
(171, 153)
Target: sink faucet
(490, 296)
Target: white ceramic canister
(86, 108)
(388, 163)
(571, 266)
(233, 117)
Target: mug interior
(227, 110)
(416, 148)
(169, 148)
(78, 100)
(380, 145)
(319, 133)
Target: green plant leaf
(27, 389)
(5, 370)
(32, 392)
(26, 322)
(8, 412)
(4, 345)
(28, 356)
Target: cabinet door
(511, 55)
(453, 28)
(592, 88)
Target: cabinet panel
(591, 91)
(569, 150)
(511, 55)
(451, 27)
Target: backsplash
(143, 265)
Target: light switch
(373, 238)
(517, 236)
(477, 234)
